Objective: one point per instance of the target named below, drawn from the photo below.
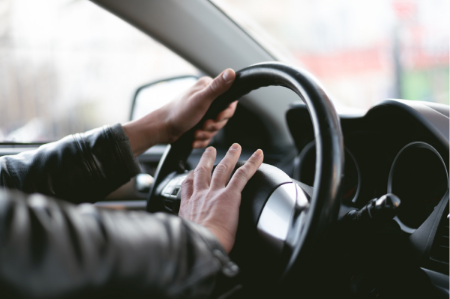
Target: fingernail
(258, 153)
(227, 76)
(209, 149)
(235, 146)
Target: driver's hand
(168, 123)
(188, 109)
(214, 202)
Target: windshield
(362, 51)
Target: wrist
(169, 130)
(226, 243)
(146, 132)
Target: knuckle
(190, 176)
(207, 125)
(221, 168)
(219, 125)
(199, 185)
(242, 173)
(188, 180)
(214, 86)
(223, 195)
(215, 126)
(200, 169)
(251, 162)
(203, 81)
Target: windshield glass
(362, 51)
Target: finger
(196, 98)
(202, 173)
(246, 171)
(219, 85)
(224, 169)
(200, 144)
(203, 135)
(214, 126)
(202, 83)
(227, 113)
(187, 187)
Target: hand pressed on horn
(213, 201)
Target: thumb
(219, 85)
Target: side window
(68, 66)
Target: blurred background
(68, 66)
(362, 51)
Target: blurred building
(362, 51)
(68, 66)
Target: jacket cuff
(213, 263)
(124, 150)
(228, 267)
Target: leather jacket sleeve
(78, 168)
(53, 249)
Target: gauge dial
(419, 178)
(306, 170)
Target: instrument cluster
(417, 174)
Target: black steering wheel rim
(324, 203)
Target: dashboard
(397, 147)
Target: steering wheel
(279, 227)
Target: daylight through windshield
(67, 66)
(362, 51)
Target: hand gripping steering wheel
(279, 227)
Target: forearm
(79, 168)
(148, 131)
(53, 249)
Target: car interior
(346, 205)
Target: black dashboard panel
(375, 139)
(420, 176)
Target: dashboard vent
(440, 245)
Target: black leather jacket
(54, 249)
